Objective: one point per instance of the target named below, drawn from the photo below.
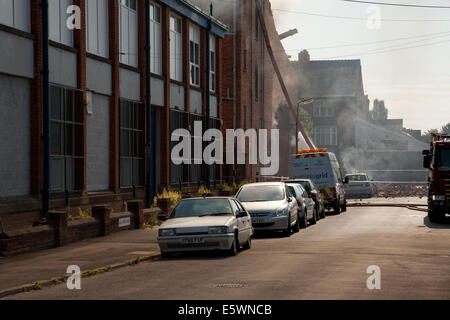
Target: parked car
(217, 223)
(271, 206)
(314, 192)
(358, 185)
(306, 206)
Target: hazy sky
(413, 82)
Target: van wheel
(337, 208)
(344, 207)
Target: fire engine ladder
(280, 78)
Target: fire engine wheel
(435, 216)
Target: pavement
(386, 201)
(328, 260)
(111, 251)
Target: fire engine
(437, 160)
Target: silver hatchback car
(271, 206)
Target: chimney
(303, 58)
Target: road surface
(325, 261)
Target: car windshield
(305, 185)
(201, 207)
(357, 177)
(261, 193)
(444, 158)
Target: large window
(325, 136)
(66, 139)
(178, 173)
(58, 31)
(176, 51)
(15, 13)
(194, 55)
(128, 23)
(97, 27)
(131, 144)
(155, 39)
(322, 110)
(212, 57)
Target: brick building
(97, 99)
(251, 92)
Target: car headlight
(438, 197)
(167, 232)
(281, 212)
(217, 230)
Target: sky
(411, 75)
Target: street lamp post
(301, 102)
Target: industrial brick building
(97, 94)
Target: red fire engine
(437, 159)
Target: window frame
(156, 46)
(212, 64)
(194, 55)
(176, 66)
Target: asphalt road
(326, 261)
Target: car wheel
(296, 227)
(314, 219)
(234, 247)
(287, 231)
(304, 221)
(165, 254)
(323, 214)
(318, 214)
(248, 244)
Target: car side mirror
(241, 214)
(290, 199)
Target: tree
(379, 113)
(446, 128)
(283, 118)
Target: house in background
(336, 87)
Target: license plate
(192, 240)
(258, 220)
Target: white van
(322, 168)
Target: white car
(217, 223)
(358, 185)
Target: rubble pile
(399, 190)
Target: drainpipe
(207, 87)
(148, 102)
(46, 107)
(234, 84)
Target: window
(155, 39)
(128, 32)
(194, 55)
(178, 173)
(16, 14)
(212, 51)
(97, 27)
(176, 52)
(58, 31)
(66, 139)
(325, 136)
(321, 110)
(131, 144)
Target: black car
(314, 193)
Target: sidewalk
(89, 254)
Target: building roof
(330, 78)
